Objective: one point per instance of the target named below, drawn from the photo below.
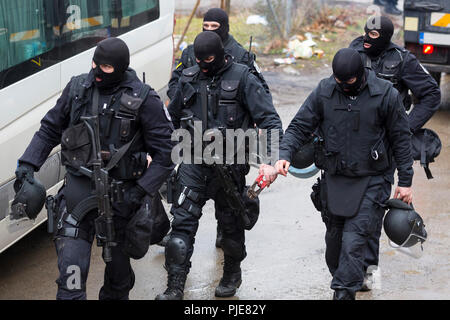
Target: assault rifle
(226, 175)
(104, 225)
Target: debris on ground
(281, 61)
(324, 39)
(255, 19)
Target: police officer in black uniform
(216, 20)
(222, 94)
(398, 65)
(361, 123)
(130, 114)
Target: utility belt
(377, 161)
(62, 223)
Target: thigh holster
(189, 201)
(69, 223)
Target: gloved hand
(23, 172)
(133, 197)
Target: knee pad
(176, 251)
(233, 249)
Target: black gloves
(134, 196)
(24, 172)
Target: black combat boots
(175, 285)
(231, 279)
(342, 294)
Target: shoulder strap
(204, 101)
(144, 91)
(76, 89)
(366, 60)
(123, 150)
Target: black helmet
(302, 164)
(426, 146)
(403, 225)
(29, 199)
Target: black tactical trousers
(372, 253)
(74, 254)
(204, 182)
(347, 238)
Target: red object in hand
(260, 182)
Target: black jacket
(413, 76)
(377, 113)
(155, 122)
(251, 99)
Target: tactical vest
(121, 141)
(217, 103)
(354, 141)
(220, 98)
(390, 68)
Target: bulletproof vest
(118, 127)
(221, 97)
(389, 66)
(354, 142)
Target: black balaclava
(115, 52)
(208, 44)
(386, 29)
(220, 16)
(347, 63)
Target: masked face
(209, 53)
(114, 53)
(216, 20)
(348, 70)
(379, 31)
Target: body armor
(119, 130)
(389, 66)
(355, 145)
(222, 97)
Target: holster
(319, 198)
(171, 187)
(50, 205)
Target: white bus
(43, 43)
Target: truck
(427, 34)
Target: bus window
(36, 34)
(23, 32)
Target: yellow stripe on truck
(24, 35)
(440, 20)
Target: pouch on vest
(188, 94)
(379, 158)
(345, 194)
(127, 113)
(130, 167)
(390, 71)
(228, 103)
(76, 147)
